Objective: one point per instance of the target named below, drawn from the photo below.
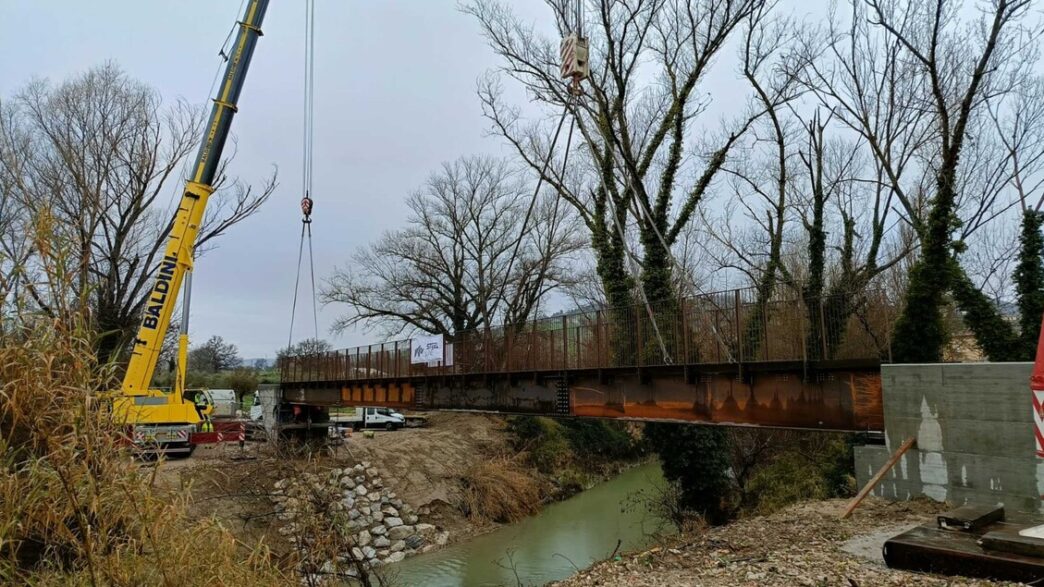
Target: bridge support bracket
(643, 376)
(690, 374)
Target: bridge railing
(719, 328)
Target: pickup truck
(365, 417)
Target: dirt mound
(425, 464)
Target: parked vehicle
(224, 402)
(366, 417)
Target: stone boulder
(395, 557)
(399, 532)
(364, 538)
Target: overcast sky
(395, 97)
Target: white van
(367, 417)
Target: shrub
(553, 445)
(544, 439)
(243, 381)
(697, 459)
(500, 491)
(601, 439)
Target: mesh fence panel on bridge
(721, 328)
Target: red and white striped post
(1037, 387)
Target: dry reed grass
(75, 508)
(500, 490)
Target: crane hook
(306, 209)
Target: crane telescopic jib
(168, 418)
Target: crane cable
(307, 150)
(635, 265)
(547, 163)
(643, 207)
(540, 183)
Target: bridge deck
(719, 358)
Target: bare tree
(913, 80)
(468, 258)
(97, 155)
(214, 355)
(635, 118)
(308, 346)
(963, 68)
(1020, 128)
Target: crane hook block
(306, 207)
(573, 53)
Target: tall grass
(500, 490)
(75, 508)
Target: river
(549, 546)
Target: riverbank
(804, 545)
(451, 476)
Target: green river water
(545, 547)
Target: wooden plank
(907, 444)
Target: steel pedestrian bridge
(723, 358)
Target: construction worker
(202, 406)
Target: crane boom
(177, 257)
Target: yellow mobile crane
(169, 419)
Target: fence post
(530, 363)
(598, 339)
(578, 345)
(802, 307)
(565, 341)
(488, 350)
(765, 330)
(822, 330)
(739, 330)
(507, 347)
(638, 335)
(684, 330)
(551, 349)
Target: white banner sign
(448, 354)
(426, 349)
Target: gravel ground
(801, 545)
